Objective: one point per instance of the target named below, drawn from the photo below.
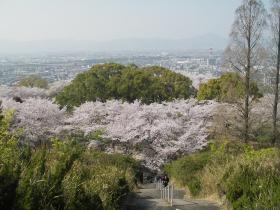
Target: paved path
(148, 198)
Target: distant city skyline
(103, 20)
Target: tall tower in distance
(210, 56)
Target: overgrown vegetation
(64, 175)
(189, 167)
(10, 163)
(127, 83)
(248, 178)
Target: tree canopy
(34, 81)
(127, 83)
(230, 88)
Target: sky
(101, 20)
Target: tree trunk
(275, 105)
(247, 85)
(247, 96)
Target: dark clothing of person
(165, 181)
(141, 178)
(158, 178)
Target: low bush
(186, 170)
(255, 182)
(246, 177)
(40, 181)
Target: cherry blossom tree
(27, 92)
(153, 133)
(22, 92)
(38, 118)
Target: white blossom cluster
(38, 118)
(153, 133)
(26, 92)
(22, 92)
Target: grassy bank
(236, 174)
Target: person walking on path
(165, 180)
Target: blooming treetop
(153, 133)
(38, 117)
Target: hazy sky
(114, 19)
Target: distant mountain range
(132, 44)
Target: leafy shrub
(63, 176)
(255, 183)
(40, 182)
(115, 175)
(69, 177)
(186, 170)
(248, 178)
(128, 83)
(76, 195)
(227, 151)
(263, 133)
(210, 90)
(10, 164)
(230, 87)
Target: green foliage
(255, 183)
(63, 176)
(40, 182)
(248, 178)
(115, 175)
(227, 151)
(80, 137)
(186, 170)
(263, 134)
(230, 88)
(127, 83)
(210, 90)
(69, 177)
(34, 81)
(9, 164)
(75, 189)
